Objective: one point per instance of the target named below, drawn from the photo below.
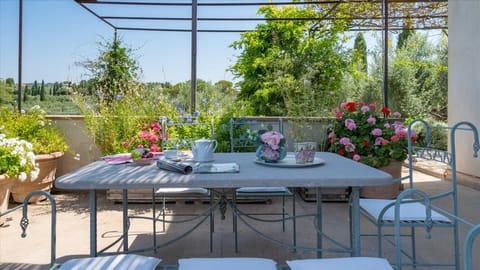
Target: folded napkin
(173, 166)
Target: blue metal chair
(244, 138)
(357, 263)
(170, 142)
(226, 263)
(468, 246)
(424, 212)
(120, 261)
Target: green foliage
(359, 58)
(33, 127)
(114, 72)
(280, 55)
(438, 137)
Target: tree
(6, 93)
(359, 58)
(114, 72)
(35, 88)
(42, 91)
(25, 94)
(280, 55)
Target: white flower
(22, 176)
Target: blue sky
(59, 33)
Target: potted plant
(367, 134)
(47, 142)
(17, 163)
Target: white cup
(170, 154)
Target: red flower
(341, 151)
(365, 143)
(386, 111)
(351, 106)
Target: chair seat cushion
(226, 264)
(408, 211)
(114, 262)
(161, 191)
(357, 263)
(262, 189)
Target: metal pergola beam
(377, 22)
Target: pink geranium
(366, 133)
(350, 124)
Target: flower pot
(5, 185)
(47, 164)
(389, 191)
(265, 152)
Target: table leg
(93, 223)
(318, 192)
(125, 220)
(355, 221)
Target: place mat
(125, 158)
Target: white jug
(203, 149)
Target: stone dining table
(330, 170)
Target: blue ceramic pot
(265, 152)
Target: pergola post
(385, 53)
(193, 77)
(20, 34)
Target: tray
(289, 162)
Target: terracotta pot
(389, 191)
(5, 185)
(48, 167)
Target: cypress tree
(42, 92)
(360, 53)
(25, 94)
(35, 88)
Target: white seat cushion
(115, 262)
(181, 190)
(408, 211)
(226, 264)
(357, 263)
(262, 189)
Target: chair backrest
(25, 221)
(245, 134)
(179, 133)
(431, 146)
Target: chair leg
(294, 222)
(212, 219)
(379, 241)
(154, 221)
(164, 209)
(283, 213)
(414, 249)
(234, 221)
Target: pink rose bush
(149, 137)
(365, 133)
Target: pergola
(361, 15)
